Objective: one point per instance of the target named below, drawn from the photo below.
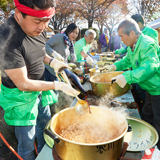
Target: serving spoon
(81, 106)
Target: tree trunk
(142, 8)
(90, 22)
(101, 29)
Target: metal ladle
(81, 106)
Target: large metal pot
(103, 63)
(93, 72)
(70, 150)
(108, 60)
(101, 84)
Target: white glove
(57, 56)
(58, 64)
(120, 80)
(66, 88)
(109, 67)
(89, 60)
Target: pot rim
(91, 79)
(87, 144)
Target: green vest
(81, 46)
(21, 107)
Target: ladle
(81, 106)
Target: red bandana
(36, 13)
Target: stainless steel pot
(101, 84)
(69, 150)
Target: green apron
(21, 107)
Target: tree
(66, 13)
(63, 16)
(147, 8)
(91, 9)
(6, 9)
(112, 15)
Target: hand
(57, 56)
(109, 67)
(66, 88)
(89, 60)
(58, 65)
(120, 80)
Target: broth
(88, 132)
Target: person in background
(83, 45)
(104, 40)
(25, 95)
(143, 58)
(138, 92)
(60, 46)
(146, 30)
(114, 42)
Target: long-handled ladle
(81, 106)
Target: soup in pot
(93, 132)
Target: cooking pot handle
(129, 128)
(49, 133)
(113, 80)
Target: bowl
(142, 136)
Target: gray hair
(129, 25)
(90, 31)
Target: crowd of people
(30, 63)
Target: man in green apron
(25, 96)
(143, 58)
